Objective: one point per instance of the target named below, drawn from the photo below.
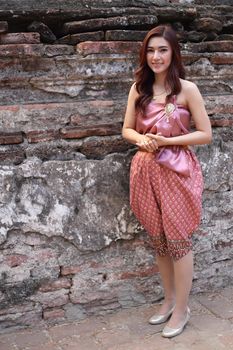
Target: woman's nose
(156, 55)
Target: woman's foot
(176, 324)
(163, 314)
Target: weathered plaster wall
(69, 245)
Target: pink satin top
(156, 121)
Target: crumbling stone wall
(69, 244)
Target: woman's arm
(128, 131)
(203, 133)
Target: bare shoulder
(191, 93)
(133, 94)
(189, 88)
(133, 89)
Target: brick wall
(69, 245)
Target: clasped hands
(151, 142)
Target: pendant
(169, 109)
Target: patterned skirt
(167, 204)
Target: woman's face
(159, 55)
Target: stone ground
(210, 328)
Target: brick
(20, 38)
(94, 111)
(46, 34)
(53, 314)
(45, 115)
(207, 24)
(58, 50)
(97, 130)
(52, 299)
(99, 147)
(140, 273)
(215, 46)
(20, 320)
(189, 58)
(18, 309)
(11, 138)
(177, 13)
(221, 58)
(222, 122)
(35, 50)
(125, 35)
(215, 58)
(78, 38)
(108, 47)
(55, 150)
(21, 50)
(11, 155)
(42, 135)
(15, 260)
(224, 58)
(106, 23)
(45, 254)
(55, 285)
(74, 269)
(225, 37)
(220, 106)
(36, 116)
(70, 270)
(195, 36)
(3, 26)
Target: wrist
(168, 141)
(140, 138)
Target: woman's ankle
(169, 300)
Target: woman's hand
(159, 139)
(148, 144)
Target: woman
(165, 176)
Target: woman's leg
(183, 273)
(166, 269)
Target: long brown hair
(144, 75)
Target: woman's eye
(163, 50)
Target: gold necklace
(155, 96)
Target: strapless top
(170, 120)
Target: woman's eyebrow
(159, 47)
